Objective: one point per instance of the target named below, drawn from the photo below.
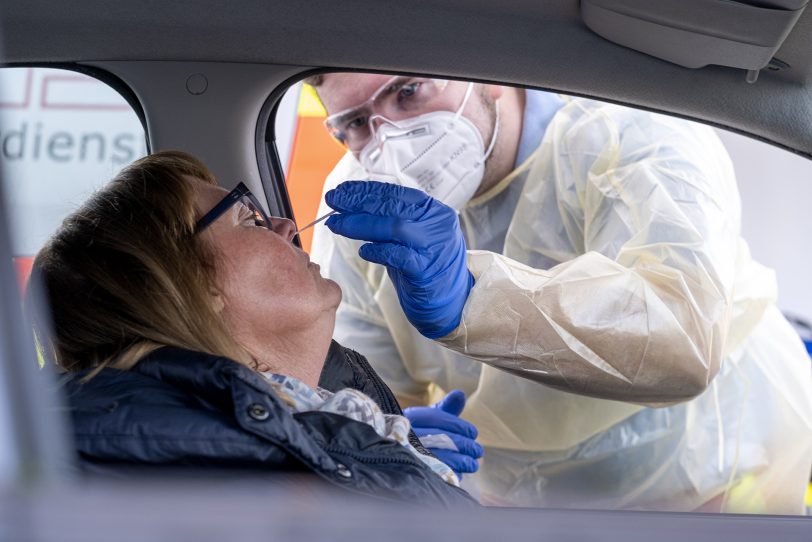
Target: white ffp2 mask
(441, 153)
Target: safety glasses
(240, 195)
(400, 97)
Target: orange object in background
(313, 155)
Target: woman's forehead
(207, 195)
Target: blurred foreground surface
(299, 509)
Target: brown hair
(315, 80)
(125, 275)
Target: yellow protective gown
(620, 348)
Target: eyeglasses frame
(240, 191)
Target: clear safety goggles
(400, 97)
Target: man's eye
(408, 90)
(356, 123)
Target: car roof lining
(521, 42)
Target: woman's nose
(283, 227)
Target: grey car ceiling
(541, 43)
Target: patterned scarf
(354, 405)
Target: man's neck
(501, 162)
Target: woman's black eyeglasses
(241, 194)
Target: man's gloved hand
(450, 438)
(420, 242)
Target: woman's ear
(218, 302)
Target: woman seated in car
(195, 334)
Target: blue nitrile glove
(420, 242)
(450, 438)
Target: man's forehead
(340, 91)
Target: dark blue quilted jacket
(177, 408)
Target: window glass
(307, 151)
(766, 175)
(581, 191)
(62, 135)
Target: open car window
(764, 201)
(765, 174)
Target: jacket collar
(204, 375)
(225, 385)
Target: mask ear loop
(458, 114)
(468, 91)
(492, 144)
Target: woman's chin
(334, 291)
(331, 289)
